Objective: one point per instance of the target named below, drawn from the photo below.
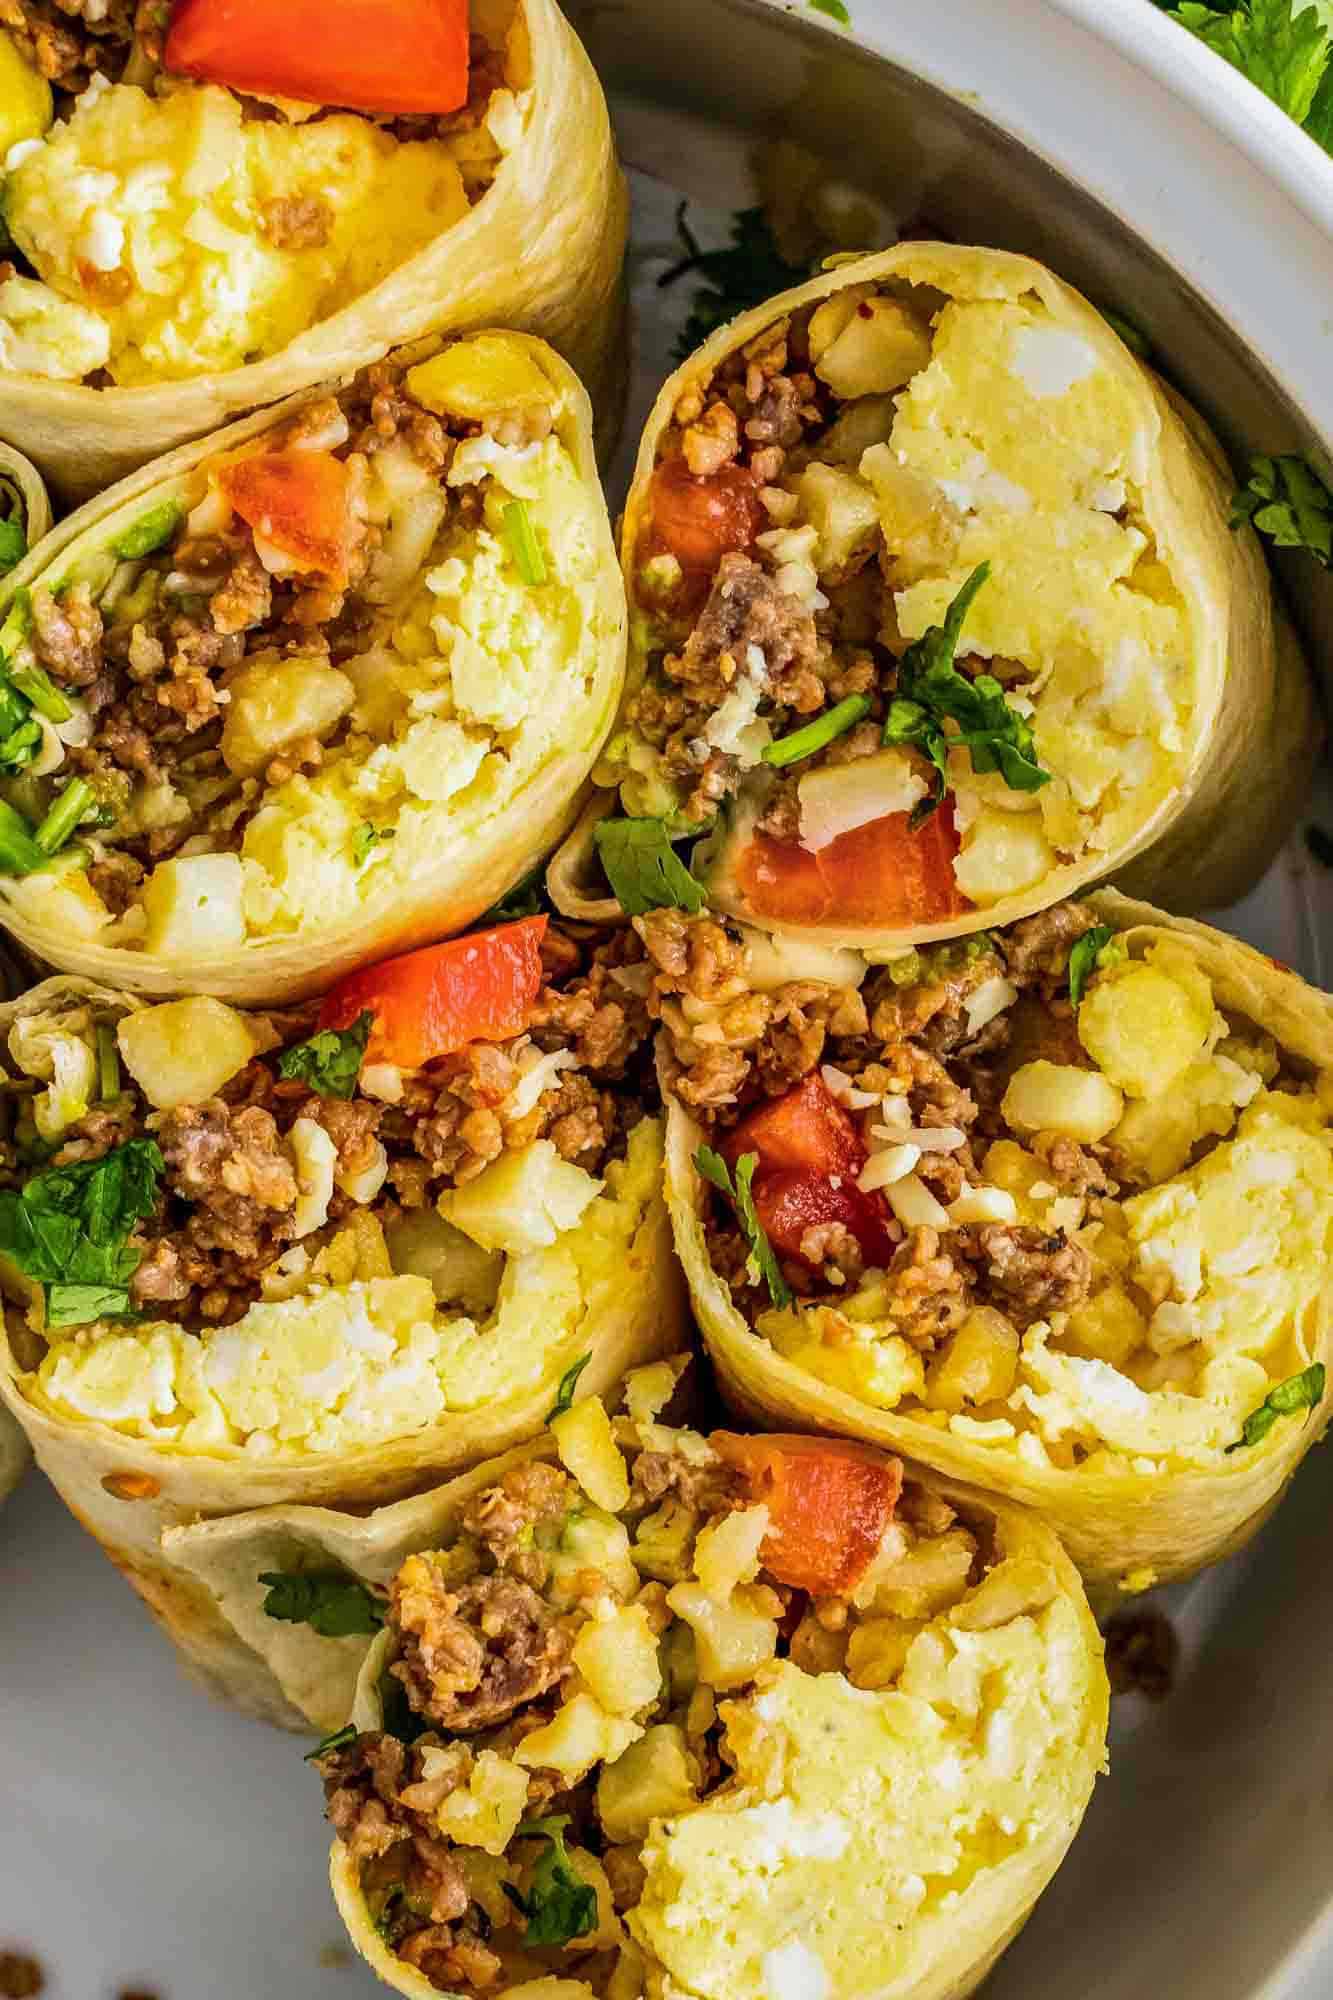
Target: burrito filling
(295, 1232)
(749, 1714)
(1028, 1188)
(910, 643)
(258, 702)
(191, 190)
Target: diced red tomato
(701, 518)
(793, 1200)
(829, 1502)
(809, 1155)
(478, 988)
(806, 1128)
(403, 57)
(886, 872)
(300, 502)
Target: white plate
(153, 1841)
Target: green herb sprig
(1286, 500)
(740, 1194)
(816, 735)
(68, 1229)
(643, 868)
(339, 1739)
(1087, 955)
(1299, 1392)
(329, 1601)
(569, 1382)
(743, 273)
(559, 1905)
(330, 1062)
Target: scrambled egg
(1036, 446)
(158, 220)
(911, 1793)
(358, 1364)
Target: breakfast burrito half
(1049, 1209)
(211, 206)
(655, 1713)
(320, 687)
(936, 617)
(322, 1255)
(25, 511)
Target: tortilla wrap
(128, 1472)
(940, 1957)
(1127, 1522)
(13, 1454)
(1089, 428)
(541, 250)
(546, 652)
(30, 506)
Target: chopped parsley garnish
(740, 1194)
(569, 1382)
(1085, 957)
(1320, 843)
(341, 1739)
(330, 1062)
(1285, 499)
(329, 1601)
(744, 273)
(1299, 1392)
(825, 729)
(68, 1229)
(643, 867)
(149, 532)
(366, 837)
(523, 544)
(1281, 48)
(559, 1904)
(523, 900)
(931, 690)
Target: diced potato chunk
(921, 525)
(591, 1540)
(316, 1159)
(728, 1553)
(1017, 1585)
(522, 1201)
(881, 347)
(1106, 1327)
(617, 1657)
(843, 512)
(732, 1641)
(1143, 1027)
(25, 97)
(460, 1271)
(194, 904)
(184, 1050)
(929, 1577)
(832, 318)
(654, 1779)
(274, 701)
(649, 1389)
(580, 1734)
(1056, 1097)
(589, 1451)
(977, 1364)
(485, 1813)
(474, 378)
(836, 798)
(1005, 852)
(877, 1650)
(859, 425)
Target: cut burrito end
(936, 615)
(323, 686)
(1049, 1209)
(259, 1256)
(25, 511)
(730, 1716)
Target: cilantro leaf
(560, 1905)
(742, 274)
(340, 1739)
(68, 1229)
(1285, 52)
(643, 867)
(1299, 1392)
(930, 688)
(1083, 959)
(1285, 499)
(713, 1168)
(330, 1062)
(329, 1601)
(569, 1381)
(523, 900)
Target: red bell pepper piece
(300, 502)
(809, 1155)
(885, 872)
(400, 57)
(478, 988)
(700, 518)
(829, 1503)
